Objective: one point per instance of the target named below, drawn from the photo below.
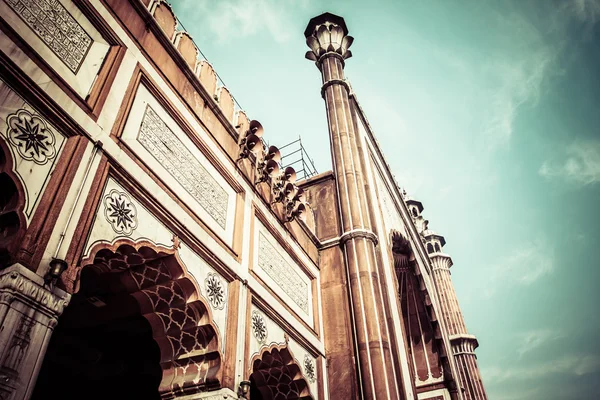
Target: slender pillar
(463, 344)
(29, 310)
(327, 36)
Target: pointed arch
(423, 332)
(429, 248)
(152, 281)
(12, 203)
(276, 375)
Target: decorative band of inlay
(334, 55)
(329, 243)
(334, 82)
(359, 233)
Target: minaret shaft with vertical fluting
(463, 344)
(327, 37)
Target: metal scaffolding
(294, 155)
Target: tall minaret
(463, 344)
(327, 37)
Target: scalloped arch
(154, 280)
(12, 203)
(276, 375)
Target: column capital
(327, 34)
(18, 282)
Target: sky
(488, 114)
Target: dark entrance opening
(102, 348)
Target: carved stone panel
(155, 135)
(273, 260)
(57, 28)
(59, 33)
(163, 144)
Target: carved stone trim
(17, 282)
(359, 233)
(334, 82)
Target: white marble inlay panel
(213, 287)
(157, 139)
(60, 34)
(52, 23)
(264, 332)
(282, 274)
(34, 143)
(163, 144)
(120, 215)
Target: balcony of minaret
(463, 343)
(433, 241)
(415, 209)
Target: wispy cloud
(585, 10)
(569, 364)
(581, 165)
(531, 340)
(518, 82)
(524, 266)
(230, 19)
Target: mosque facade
(152, 246)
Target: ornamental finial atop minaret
(327, 33)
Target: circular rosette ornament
(120, 212)
(259, 327)
(215, 291)
(309, 368)
(30, 135)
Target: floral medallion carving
(215, 291)
(30, 135)
(259, 327)
(309, 368)
(120, 212)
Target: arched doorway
(12, 203)
(277, 376)
(136, 328)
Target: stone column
(463, 345)
(327, 36)
(28, 313)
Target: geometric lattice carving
(30, 135)
(160, 141)
(57, 28)
(169, 299)
(276, 376)
(285, 276)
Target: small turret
(415, 208)
(433, 241)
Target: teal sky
(488, 113)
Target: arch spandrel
(153, 280)
(33, 144)
(266, 336)
(275, 374)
